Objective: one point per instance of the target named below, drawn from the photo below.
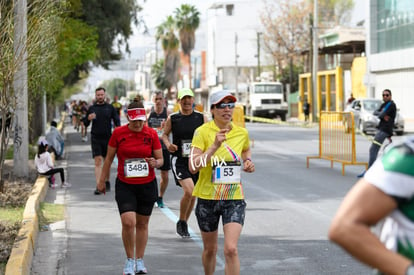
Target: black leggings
(54, 171)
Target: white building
(233, 30)
(390, 53)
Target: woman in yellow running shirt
(220, 151)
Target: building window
(230, 9)
(394, 25)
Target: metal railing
(337, 139)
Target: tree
(287, 27)
(170, 43)
(158, 74)
(74, 44)
(112, 20)
(188, 20)
(287, 32)
(335, 12)
(40, 35)
(117, 87)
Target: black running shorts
(99, 146)
(208, 213)
(180, 170)
(139, 198)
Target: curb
(20, 260)
(21, 256)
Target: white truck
(264, 99)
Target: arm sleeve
(385, 110)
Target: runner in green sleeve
(386, 193)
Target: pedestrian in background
(102, 114)
(220, 151)
(386, 193)
(156, 119)
(84, 129)
(351, 99)
(306, 110)
(55, 140)
(182, 125)
(386, 114)
(117, 105)
(139, 151)
(44, 165)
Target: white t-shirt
(43, 162)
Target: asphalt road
(289, 209)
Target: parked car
(364, 117)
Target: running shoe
(182, 229)
(66, 185)
(185, 229)
(97, 192)
(129, 267)
(107, 186)
(139, 267)
(160, 202)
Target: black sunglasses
(223, 105)
(386, 95)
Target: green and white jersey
(394, 175)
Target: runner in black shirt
(101, 114)
(182, 125)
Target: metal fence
(337, 139)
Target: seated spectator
(44, 164)
(55, 140)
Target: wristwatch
(410, 270)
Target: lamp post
(315, 61)
(236, 68)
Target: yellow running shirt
(228, 155)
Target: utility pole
(258, 54)
(315, 60)
(236, 68)
(21, 132)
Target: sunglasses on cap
(223, 105)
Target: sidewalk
(89, 240)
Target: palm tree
(158, 74)
(170, 44)
(188, 20)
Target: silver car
(364, 117)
